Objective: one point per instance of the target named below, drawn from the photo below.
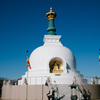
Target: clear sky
(23, 24)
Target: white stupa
(52, 60)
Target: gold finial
(51, 15)
(51, 9)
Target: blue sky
(23, 24)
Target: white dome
(52, 60)
(40, 57)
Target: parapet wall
(38, 92)
(34, 92)
(94, 89)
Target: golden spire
(51, 15)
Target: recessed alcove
(55, 65)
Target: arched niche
(55, 65)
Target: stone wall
(16, 92)
(38, 92)
(94, 89)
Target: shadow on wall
(68, 68)
(1, 84)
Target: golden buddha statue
(55, 66)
